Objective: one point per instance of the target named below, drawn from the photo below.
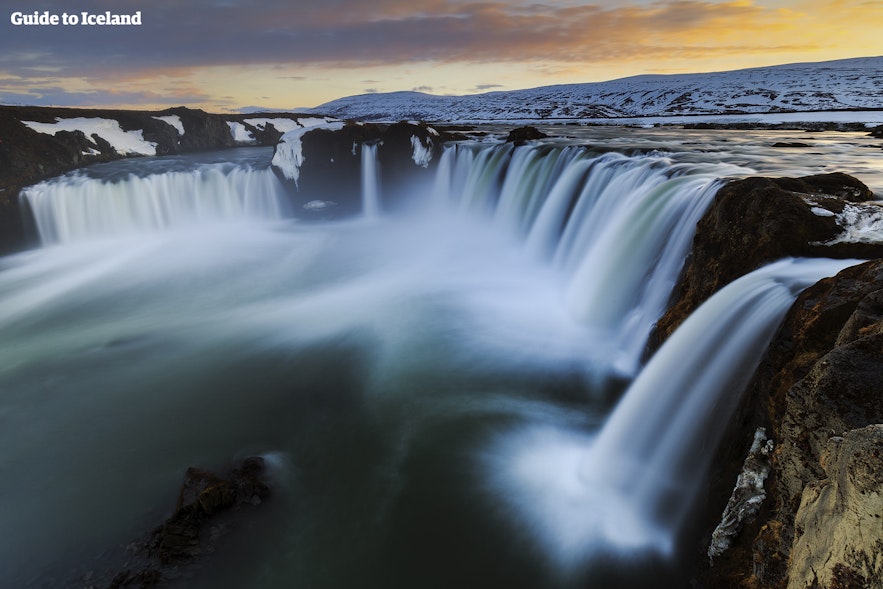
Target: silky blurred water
(393, 366)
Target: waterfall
(370, 182)
(76, 207)
(435, 369)
(632, 486)
(616, 227)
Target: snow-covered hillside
(831, 85)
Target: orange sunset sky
(222, 55)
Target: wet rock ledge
(818, 393)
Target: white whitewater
(371, 206)
(631, 486)
(425, 327)
(77, 208)
(655, 443)
(616, 227)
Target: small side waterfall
(653, 446)
(370, 182)
(631, 487)
(75, 208)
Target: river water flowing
(452, 397)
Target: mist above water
(438, 386)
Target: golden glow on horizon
(662, 37)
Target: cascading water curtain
(75, 207)
(628, 489)
(616, 227)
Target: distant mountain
(846, 84)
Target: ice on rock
(422, 153)
(289, 154)
(861, 222)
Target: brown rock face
(820, 390)
(838, 526)
(756, 221)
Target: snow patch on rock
(747, 495)
(240, 133)
(861, 222)
(173, 120)
(281, 125)
(289, 156)
(124, 142)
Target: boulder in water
(205, 499)
(521, 135)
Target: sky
(224, 55)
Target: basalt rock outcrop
(208, 506)
(818, 392)
(322, 167)
(522, 135)
(755, 221)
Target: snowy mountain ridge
(847, 84)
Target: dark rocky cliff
(327, 181)
(818, 392)
(756, 221)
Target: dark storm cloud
(176, 35)
(483, 87)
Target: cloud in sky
(484, 87)
(178, 39)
